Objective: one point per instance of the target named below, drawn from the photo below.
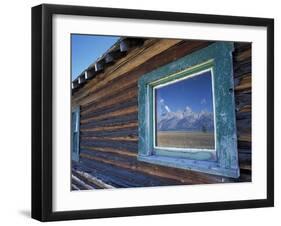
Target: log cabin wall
(109, 120)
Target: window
(75, 128)
(187, 113)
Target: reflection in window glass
(184, 115)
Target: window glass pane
(184, 114)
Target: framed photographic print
(147, 112)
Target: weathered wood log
(245, 137)
(113, 114)
(243, 100)
(108, 109)
(81, 183)
(242, 68)
(241, 46)
(132, 125)
(129, 118)
(111, 100)
(128, 145)
(91, 180)
(126, 152)
(244, 144)
(243, 55)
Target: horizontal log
(245, 166)
(243, 86)
(84, 179)
(131, 138)
(242, 68)
(243, 55)
(132, 153)
(244, 144)
(113, 99)
(128, 145)
(114, 121)
(132, 125)
(107, 133)
(81, 183)
(245, 108)
(245, 176)
(102, 111)
(245, 137)
(74, 187)
(109, 91)
(114, 114)
(244, 125)
(244, 116)
(245, 159)
(243, 99)
(91, 180)
(77, 186)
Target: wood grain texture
(109, 119)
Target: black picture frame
(42, 111)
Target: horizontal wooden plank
(113, 114)
(108, 92)
(243, 126)
(133, 138)
(242, 100)
(115, 98)
(243, 55)
(108, 109)
(111, 133)
(242, 68)
(245, 108)
(245, 137)
(244, 115)
(110, 144)
(93, 181)
(127, 152)
(244, 144)
(82, 185)
(243, 86)
(132, 125)
(84, 179)
(242, 46)
(128, 118)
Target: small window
(75, 128)
(187, 113)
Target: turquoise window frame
(217, 58)
(75, 133)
